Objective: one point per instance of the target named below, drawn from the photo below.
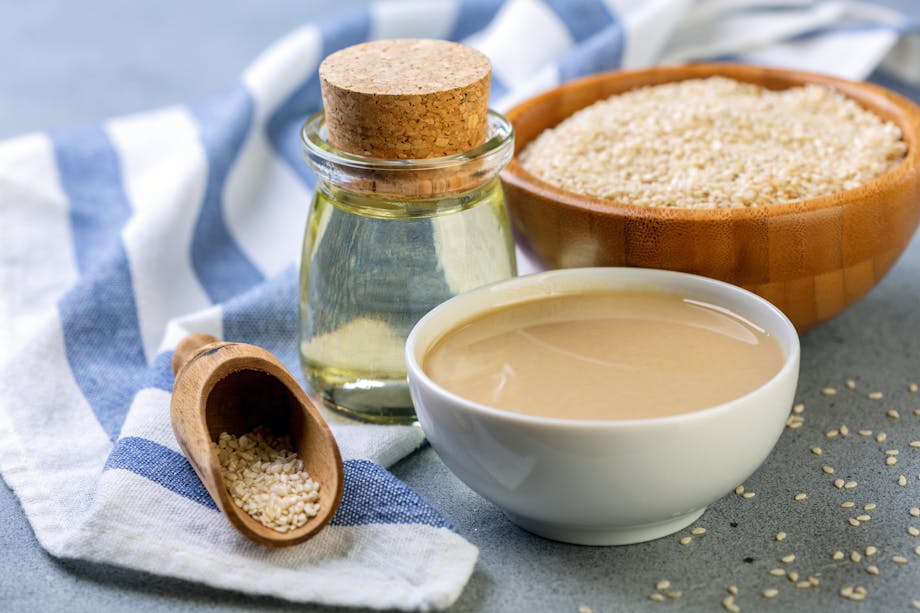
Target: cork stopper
(406, 98)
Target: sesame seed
(915, 444)
(585, 609)
(851, 384)
(777, 572)
(899, 559)
(829, 391)
(839, 483)
(770, 592)
(872, 569)
(803, 584)
(837, 555)
(891, 460)
(881, 437)
(912, 388)
(916, 411)
(871, 551)
(799, 408)
(891, 452)
(911, 530)
(748, 494)
(917, 550)
(832, 433)
(674, 595)
(814, 581)
(902, 480)
(876, 395)
(698, 531)
(728, 603)
(793, 576)
(828, 469)
(893, 414)
(869, 506)
(816, 450)
(780, 536)
(739, 490)
(686, 540)
(656, 597)
(865, 433)
(849, 485)
(914, 511)
(863, 517)
(849, 504)
(844, 431)
(853, 522)
(855, 556)
(788, 559)
(800, 496)
(732, 589)
(846, 592)
(915, 603)
(663, 585)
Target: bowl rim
(908, 121)
(414, 369)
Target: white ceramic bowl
(603, 482)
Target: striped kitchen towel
(117, 239)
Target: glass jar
(386, 241)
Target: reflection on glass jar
(386, 241)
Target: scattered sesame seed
(698, 531)
(846, 592)
(793, 576)
(893, 414)
(799, 408)
(828, 469)
(585, 609)
(911, 530)
(849, 504)
(851, 385)
(881, 437)
(849, 485)
(674, 595)
(656, 597)
(732, 589)
(837, 555)
(794, 421)
(748, 494)
(814, 581)
(803, 584)
(891, 460)
(915, 444)
(739, 490)
(871, 551)
(800, 496)
(686, 540)
(816, 450)
(829, 391)
(915, 603)
(770, 592)
(855, 556)
(788, 559)
(832, 433)
(899, 559)
(728, 603)
(916, 411)
(777, 572)
(853, 522)
(892, 452)
(875, 395)
(863, 517)
(839, 483)
(902, 480)
(844, 431)
(869, 506)
(912, 388)
(872, 569)
(914, 511)
(780, 536)
(663, 585)
(865, 433)
(917, 550)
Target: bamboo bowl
(812, 258)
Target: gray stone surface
(65, 62)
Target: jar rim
(316, 146)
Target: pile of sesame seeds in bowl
(716, 143)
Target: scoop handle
(189, 347)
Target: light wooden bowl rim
(904, 113)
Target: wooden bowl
(811, 258)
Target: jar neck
(424, 180)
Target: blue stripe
(473, 16)
(102, 337)
(283, 127)
(603, 51)
(161, 465)
(371, 494)
(582, 18)
(222, 268)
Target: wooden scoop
(234, 387)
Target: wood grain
(811, 258)
(234, 387)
